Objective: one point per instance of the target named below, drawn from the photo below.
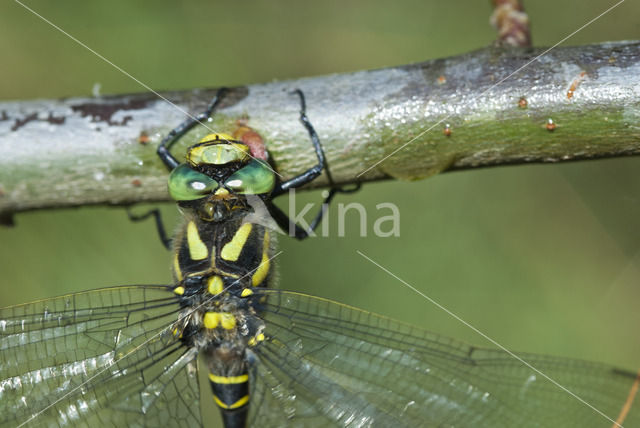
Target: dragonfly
(131, 355)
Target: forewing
(98, 358)
(326, 364)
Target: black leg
(293, 229)
(313, 172)
(162, 232)
(306, 177)
(184, 127)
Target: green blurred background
(542, 258)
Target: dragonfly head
(219, 174)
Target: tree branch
(573, 103)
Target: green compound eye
(254, 179)
(185, 184)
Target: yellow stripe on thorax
(231, 250)
(263, 268)
(197, 248)
(176, 267)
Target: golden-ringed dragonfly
(128, 355)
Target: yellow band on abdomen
(225, 380)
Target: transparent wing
(326, 364)
(97, 358)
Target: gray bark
(572, 103)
